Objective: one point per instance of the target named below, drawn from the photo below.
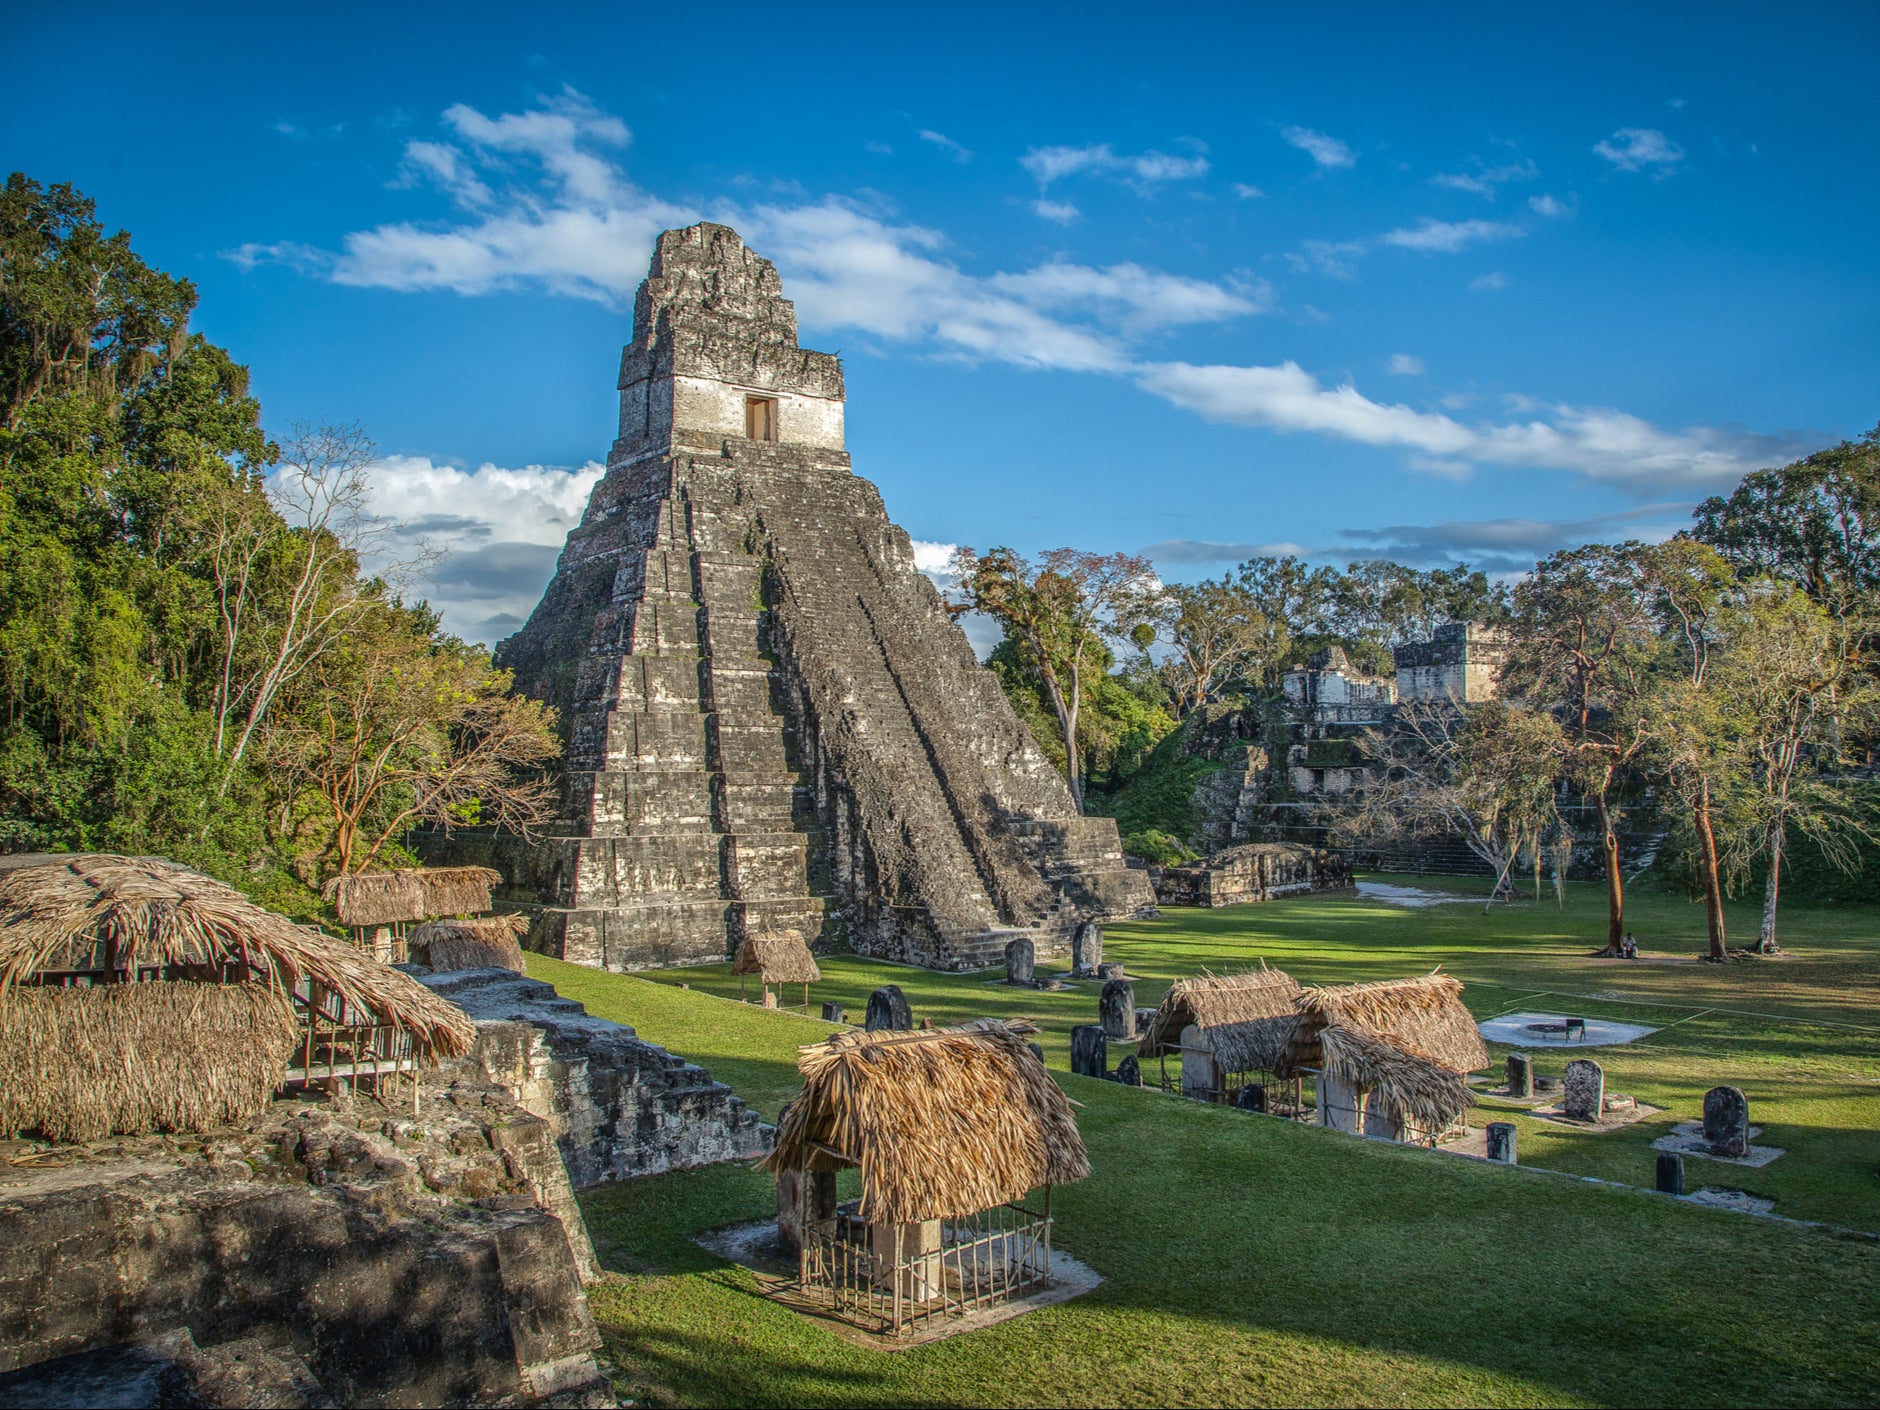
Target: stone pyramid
(772, 721)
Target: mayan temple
(772, 721)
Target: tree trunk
(1707, 867)
(1766, 940)
(1615, 883)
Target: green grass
(1253, 1261)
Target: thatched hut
(951, 1129)
(485, 942)
(1391, 1058)
(455, 891)
(776, 957)
(96, 925)
(1226, 1028)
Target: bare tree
(1485, 775)
(1215, 632)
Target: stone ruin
(1260, 871)
(772, 721)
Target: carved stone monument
(1086, 950)
(1583, 1090)
(772, 721)
(1021, 963)
(887, 1009)
(832, 1012)
(1520, 1075)
(1670, 1173)
(1129, 1071)
(1117, 1010)
(1090, 1051)
(1501, 1136)
(1726, 1121)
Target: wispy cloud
(1202, 552)
(1512, 545)
(1599, 443)
(1058, 212)
(1247, 193)
(1484, 180)
(1145, 170)
(946, 144)
(1430, 236)
(1549, 207)
(1404, 365)
(1636, 148)
(1326, 151)
(1489, 282)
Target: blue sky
(1431, 284)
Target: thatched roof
(1427, 1093)
(375, 897)
(456, 891)
(487, 942)
(66, 915)
(1425, 1017)
(81, 1064)
(1245, 1019)
(778, 956)
(943, 1123)
(414, 893)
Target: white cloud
(880, 149)
(1485, 283)
(1599, 443)
(1404, 365)
(1431, 236)
(1326, 151)
(946, 144)
(1246, 192)
(1635, 148)
(1144, 171)
(1485, 179)
(1137, 298)
(501, 531)
(445, 167)
(1059, 212)
(1548, 206)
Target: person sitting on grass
(1629, 949)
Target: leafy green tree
(1061, 613)
(1581, 639)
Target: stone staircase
(621, 1106)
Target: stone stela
(772, 721)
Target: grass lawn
(1249, 1260)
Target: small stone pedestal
(1021, 963)
(1110, 969)
(1129, 1071)
(1252, 1097)
(1117, 1010)
(832, 1012)
(887, 1010)
(1520, 1075)
(1726, 1121)
(1583, 1091)
(1501, 1136)
(1090, 1051)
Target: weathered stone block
(1726, 1121)
(1090, 1055)
(1583, 1090)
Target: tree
(1376, 604)
(1061, 612)
(1814, 523)
(1291, 601)
(1791, 672)
(1580, 636)
(1483, 773)
(1215, 633)
(394, 726)
(1693, 736)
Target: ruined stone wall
(381, 1255)
(772, 722)
(1459, 664)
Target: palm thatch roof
(89, 911)
(488, 942)
(943, 1123)
(81, 1064)
(1427, 1094)
(778, 956)
(456, 891)
(413, 893)
(375, 897)
(1245, 1019)
(1425, 1017)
